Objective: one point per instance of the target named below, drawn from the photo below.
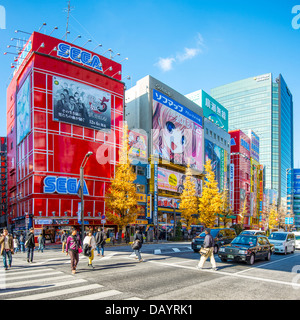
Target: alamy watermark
(296, 19)
(2, 18)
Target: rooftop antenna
(68, 10)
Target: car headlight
(243, 251)
(222, 249)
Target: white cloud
(166, 64)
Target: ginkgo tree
(273, 216)
(188, 200)
(121, 198)
(210, 203)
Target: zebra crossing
(38, 283)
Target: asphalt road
(167, 273)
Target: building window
(140, 170)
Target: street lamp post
(86, 157)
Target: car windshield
(245, 240)
(213, 232)
(277, 236)
(248, 232)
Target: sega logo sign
(66, 51)
(63, 185)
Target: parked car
(247, 248)
(221, 236)
(284, 242)
(297, 239)
(254, 232)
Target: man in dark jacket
(208, 245)
(138, 236)
(100, 238)
(30, 245)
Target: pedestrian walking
(137, 244)
(41, 241)
(73, 246)
(16, 244)
(207, 251)
(30, 245)
(90, 243)
(22, 242)
(100, 238)
(7, 248)
(63, 240)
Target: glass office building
(265, 106)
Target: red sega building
(63, 102)
(240, 157)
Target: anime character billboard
(23, 110)
(177, 132)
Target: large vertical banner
(23, 110)
(231, 185)
(155, 210)
(177, 132)
(77, 103)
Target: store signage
(78, 55)
(63, 185)
(245, 144)
(44, 221)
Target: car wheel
(268, 257)
(293, 250)
(223, 260)
(216, 249)
(285, 250)
(196, 251)
(251, 260)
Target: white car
(284, 242)
(254, 232)
(297, 239)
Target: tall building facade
(264, 105)
(63, 102)
(3, 182)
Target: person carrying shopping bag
(73, 247)
(89, 246)
(207, 251)
(137, 245)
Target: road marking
(98, 295)
(157, 251)
(133, 298)
(9, 273)
(265, 264)
(58, 293)
(176, 249)
(44, 286)
(34, 276)
(228, 274)
(22, 283)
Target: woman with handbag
(137, 245)
(90, 243)
(207, 251)
(73, 247)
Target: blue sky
(189, 45)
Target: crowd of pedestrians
(73, 246)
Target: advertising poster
(173, 181)
(82, 105)
(168, 202)
(138, 145)
(254, 145)
(296, 181)
(231, 184)
(23, 111)
(177, 132)
(215, 154)
(214, 111)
